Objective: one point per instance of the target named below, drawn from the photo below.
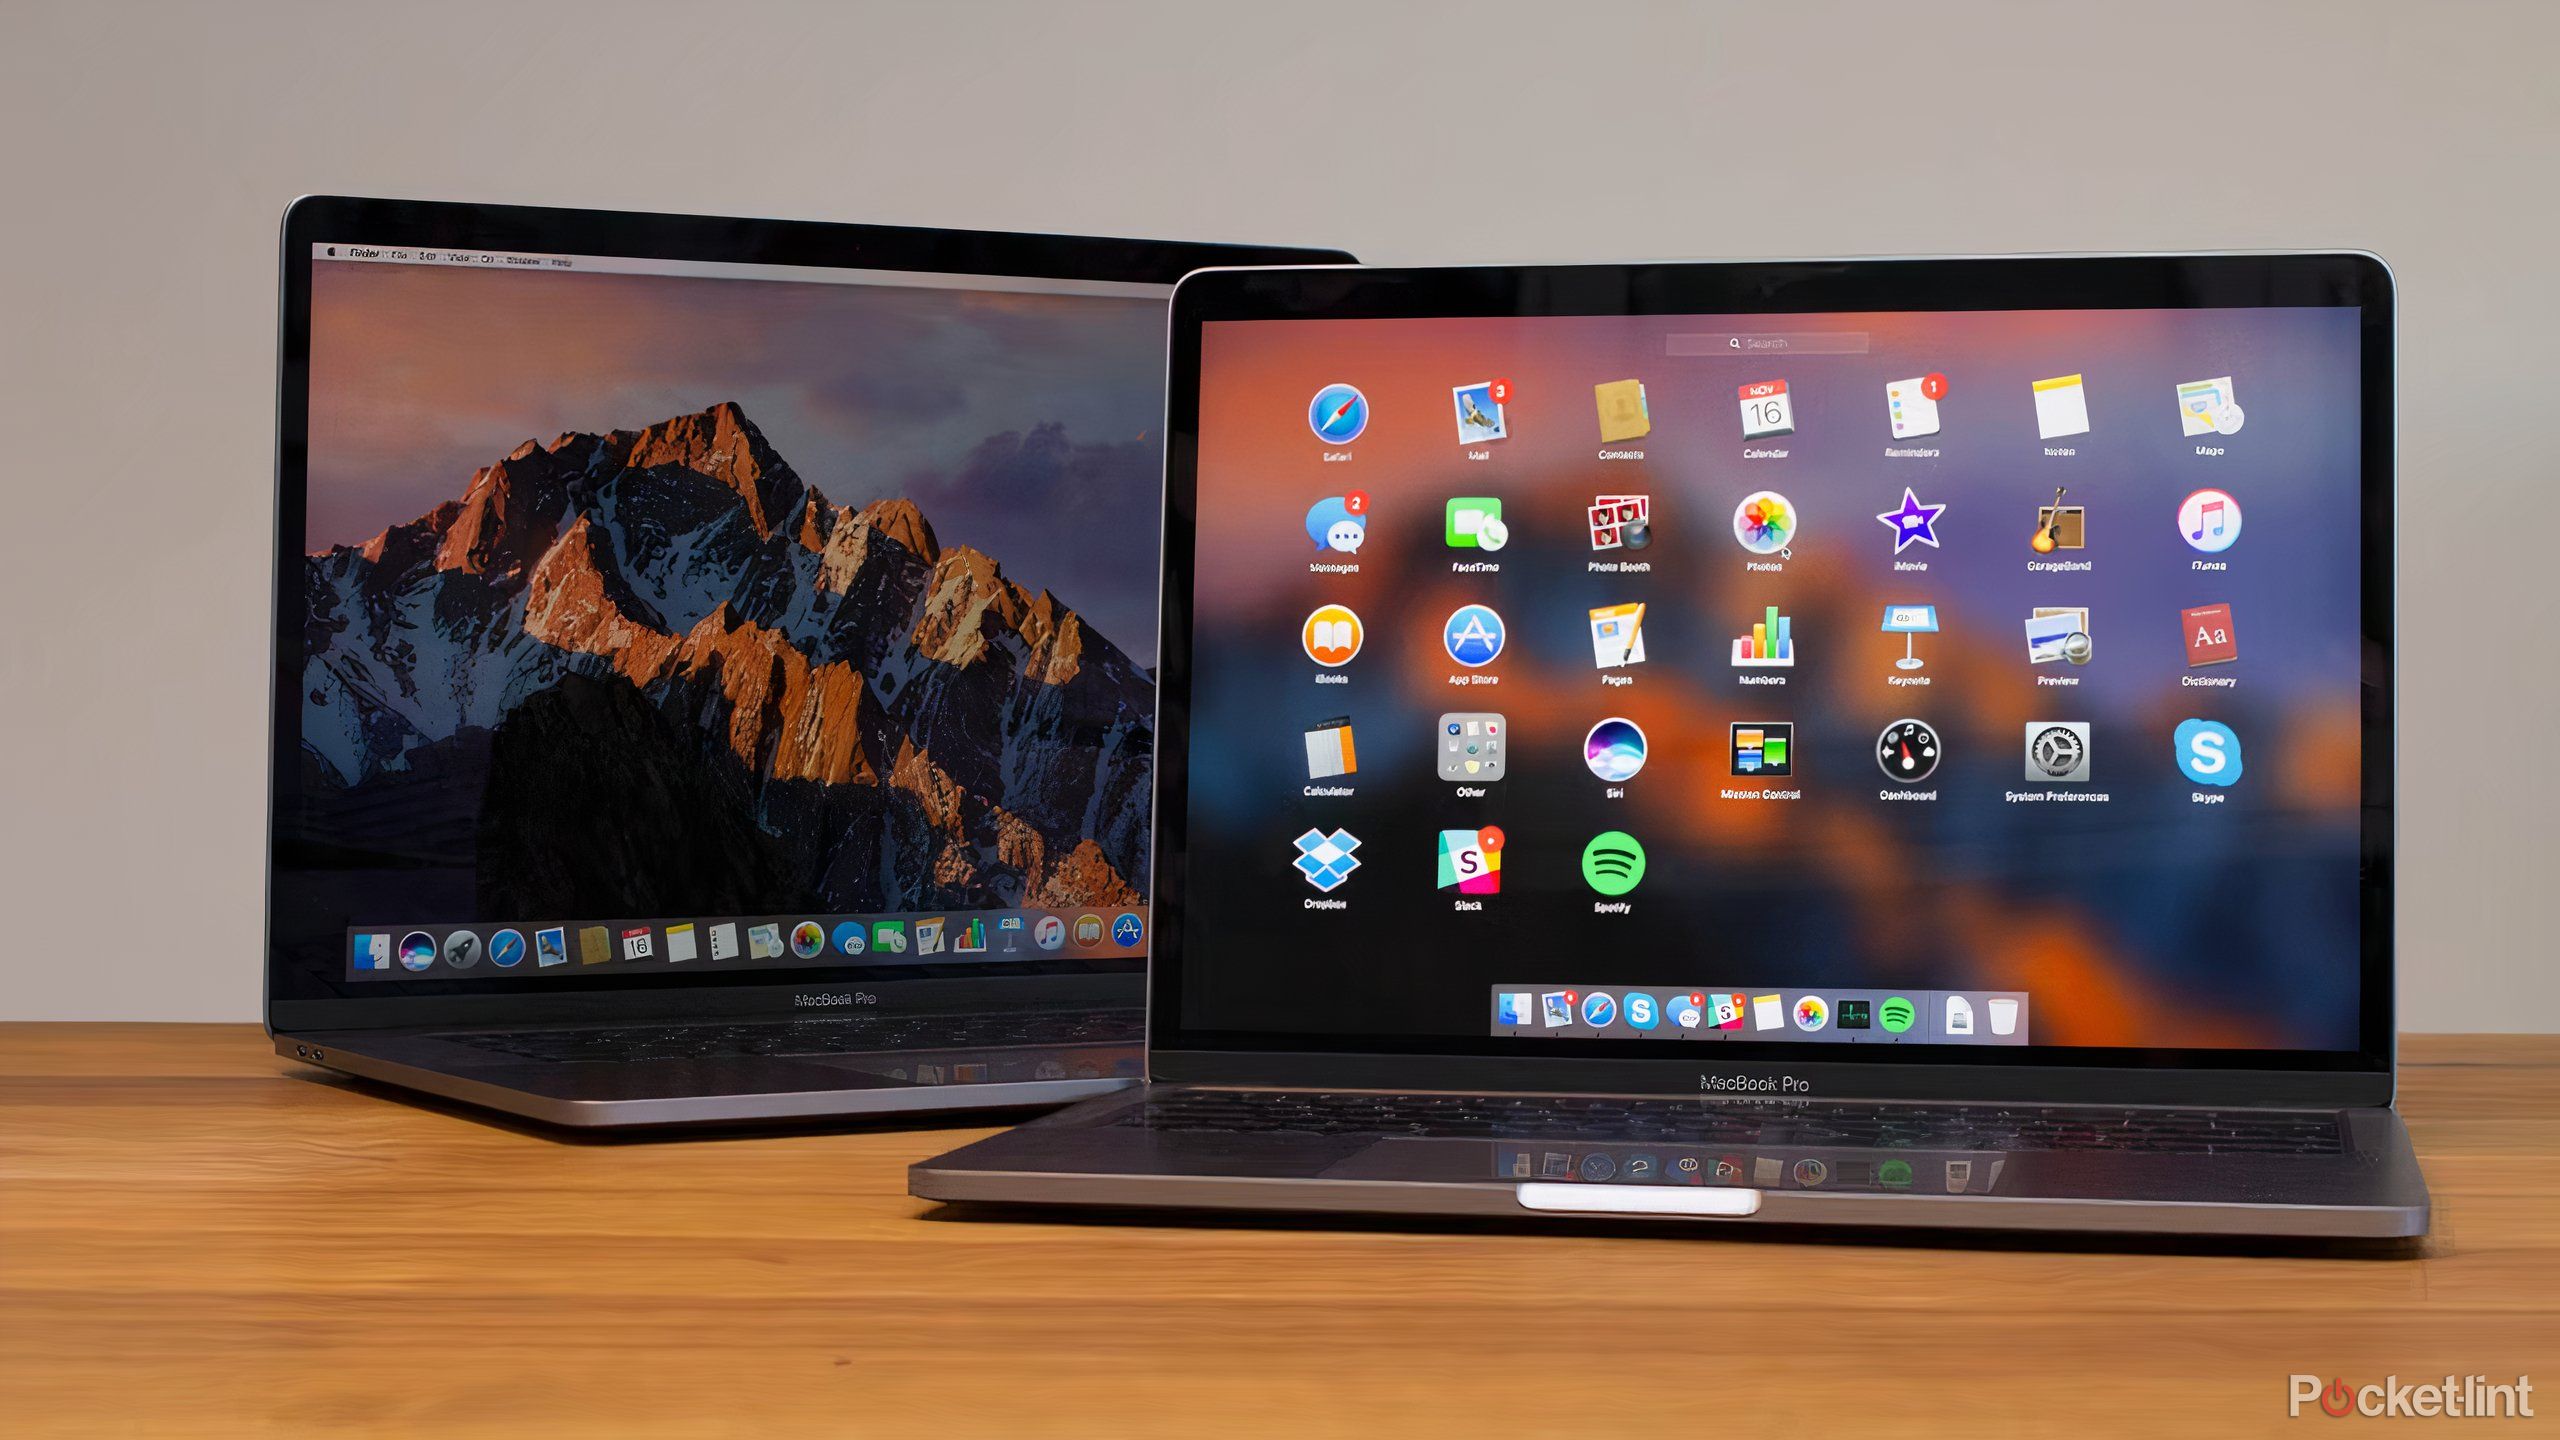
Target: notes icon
(2062, 407)
(1623, 415)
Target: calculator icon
(1473, 745)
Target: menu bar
(523, 260)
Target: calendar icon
(1766, 410)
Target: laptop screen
(675, 618)
(1947, 681)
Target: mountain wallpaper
(659, 671)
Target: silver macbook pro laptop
(714, 659)
(1874, 742)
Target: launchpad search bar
(1763, 343)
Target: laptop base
(2309, 1174)
(638, 1085)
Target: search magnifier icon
(1733, 342)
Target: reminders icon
(1912, 405)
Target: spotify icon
(1613, 863)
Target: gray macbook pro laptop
(713, 659)
(1878, 742)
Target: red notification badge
(1933, 386)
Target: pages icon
(1617, 636)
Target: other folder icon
(1622, 410)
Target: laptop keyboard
(1714, 1122)
(835, 1035)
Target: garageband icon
(2060, 526)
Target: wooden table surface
(199, 1239)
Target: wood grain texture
(199, 1239)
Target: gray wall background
(150, 149)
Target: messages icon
(1339, 522)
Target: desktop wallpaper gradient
(644, 596)
(2148, 920)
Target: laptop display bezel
(1179, 1053)
(290, 1002)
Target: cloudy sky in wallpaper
(421, 375)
